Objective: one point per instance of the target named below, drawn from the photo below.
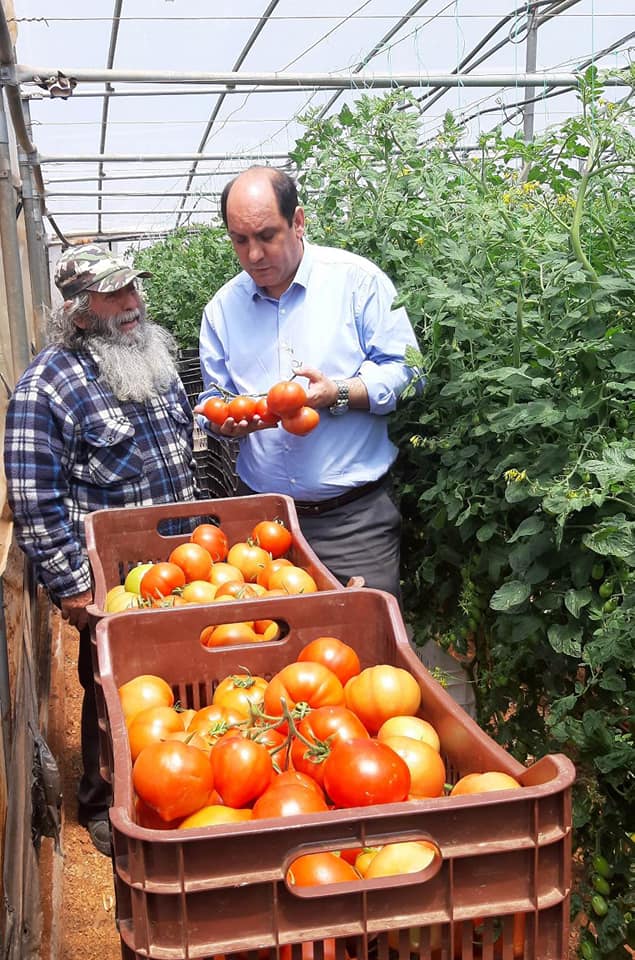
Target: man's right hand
(74, 609)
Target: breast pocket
(112, 452)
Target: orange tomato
(491, 780)
(193, 559)
(249, 558)
(301, 422)
(215, 813)
(240, 692)
(222, 572)
(150, 725)
(293, 580)
(199, 591)
(271, 567)
(414, 727)
(227, 634)
(334, 654)
(211, 537)
(409, 856)
(146, 690)
(380, 692)
(427, 770)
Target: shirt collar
(301, 278)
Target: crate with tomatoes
(319, 793)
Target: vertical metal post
(35, 238)
(530, 67)
(11, 265)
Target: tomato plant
(380, 692)
(272, 536)
(338, 656)
(211, 537)
(361, 772)
(173, 778)
(286, 397)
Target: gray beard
(136, 366)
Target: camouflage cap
(90, 267)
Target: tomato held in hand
(173, 778)
(272, 536)
(334, 654)
(302, 422)
(214, 540)
(362, 772)
(265, 414)
(216, 409)
(286, 397)
(242, 408)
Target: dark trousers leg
(94, 793)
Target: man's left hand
(74, 608)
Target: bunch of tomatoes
(285, 403)
(208, 569)
(321, 734)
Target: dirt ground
(88, 923)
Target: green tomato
(609, 605)
(606, 589)
(599, 905)
(134, 577)
(588, 951)
(597, 571)
(601, 885)
(602, 866)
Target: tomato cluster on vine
(285, 403)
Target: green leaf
(520, 416)
(625, 362)
(565, 639)
(510, 595)
(528, 527)
(612, 538)
(575, 600)
(486, 532)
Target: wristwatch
(341, 402)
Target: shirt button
(283, 310)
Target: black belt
(307, 508)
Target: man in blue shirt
(99, 419)
(323, 315)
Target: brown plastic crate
(220, 890)
(118, 539)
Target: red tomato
(265, 414)
(296, 778)
(214, 720)
(314, 869)
(161, 579)
(310, 683)
(427, 769)
(322, 728)
(249, 558)
(150, 725)
(301, 422)
(292, 580)
(334, 654)
(272, 536)
(288, 801)
(211, 537)
(235, 589)
(380, 692)
(358, 773)
(193, 559)
(242, 408)
(144, 691)
(216, 410)
(173, 778)
(242, 770)
(286, 397)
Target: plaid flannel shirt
(71, 447)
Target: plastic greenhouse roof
(168, 103)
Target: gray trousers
(358, 539)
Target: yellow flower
(515, 476)
(420, 241)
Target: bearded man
(99, 419)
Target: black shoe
(99, 832)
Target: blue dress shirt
(336, 316)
